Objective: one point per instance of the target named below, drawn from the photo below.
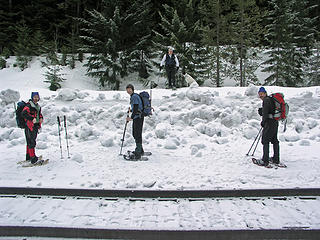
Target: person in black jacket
(171, 63)
(33, 117)
(270, 128)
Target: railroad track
(159, 207)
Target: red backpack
(281, 107)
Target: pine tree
(110, 38)
(215, 31)
(182, 30)
(289, 33)
(54, 77)
(23, 47)
(245, 29)
(312, 67)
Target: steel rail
(161, 194)
(97, 233)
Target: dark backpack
(281, 107)
(20, 120)
(146, 103)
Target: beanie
(262, 89)
(34, 94)
(130, 86)
(170, 48)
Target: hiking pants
(137, 129)
(31, 137)
(270, 135)
(171, 74)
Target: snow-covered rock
(9, 96)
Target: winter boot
(138, 151)
(34, 159)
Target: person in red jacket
(33, 117)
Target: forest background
(213, 39)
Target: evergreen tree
(215, 32)
(54, 77)
(102, 39)
(289, 33)
(312, 67)
(23, 48)
(244, 41)
(182, 30)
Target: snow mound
(9, 96)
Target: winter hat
(170, 48)
(130, 86)
(262, 89)
(34, 94)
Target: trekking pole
(254, 141)
(59, 126)
(124, 132)
(65, 129)
(256, 144)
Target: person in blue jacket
(137, 118)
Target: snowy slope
(199, 137)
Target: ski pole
(256, 144)
(65, 129)
(59, 126)
(124, 132)
(254, 141)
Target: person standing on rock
(33, 117)
(171, 63)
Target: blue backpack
(146, 102)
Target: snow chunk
(15, 134)
(251, 91)
(106, 141)
(193, 93)
(101, 97)
(304, 143)
(85, 132)
(161, 130)
(312, 123)
(9, 96)
(77, 158)
(292, 138)
(42, 145)
(170, 144)
(250, 133)
(66, 94)
(222, 140)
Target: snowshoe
(260, 163)
(133, 157)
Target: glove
(260, 111)
(160, 68)
(262, 124)
(177, 69)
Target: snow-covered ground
(199, 137)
